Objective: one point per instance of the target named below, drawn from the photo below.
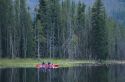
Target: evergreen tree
(88, 27)
(80, 28)
(42, 16)
(25, 30)
(99, 31)
(55, 16)
(48, 14)
(67, 22)
(40, 39)
(6, 26)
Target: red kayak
(52, 66)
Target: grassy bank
(26, 63)
(32, 62)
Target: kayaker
(49, 63)
(43, 63)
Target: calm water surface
(84, 73)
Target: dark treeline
(60, 29)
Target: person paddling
(49, 65)
(43, 63)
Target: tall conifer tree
(99, 31)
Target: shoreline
(31, 63)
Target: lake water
(84, 73)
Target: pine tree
(42, 16)
(6, 26)
(67, 29)
(88, 30)
(48, 14)
(23, 36)
(80, 28)
(99, 31)
(40, 39)
(55, 28)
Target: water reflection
(111, 73)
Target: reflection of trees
(76, 74)
(86, 74)
(99, 74)
(8, 75)
(117, 73)
(17, 75)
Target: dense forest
(60, 29)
